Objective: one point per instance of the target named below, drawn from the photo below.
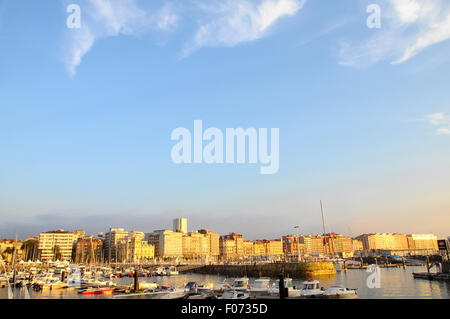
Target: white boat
(170, 293)
(241, 284)
(221, 287)
(260, 287)
(339, 292)
(293, 292)
(235, 294)
(311, 289)
(171, 271)
(158, 272)
(53, 284)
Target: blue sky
(87, 115)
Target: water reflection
(395, 283)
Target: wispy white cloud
(443, 131)
(442, 120)
(110, 18)
(231, 22)
(408, 27)
(438, 118)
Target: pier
(302, 270)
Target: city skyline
(87, 114)
(196, 228)
(120, 245)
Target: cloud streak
(408, 28)
(111, 18)
(440, 119)
(227, 23)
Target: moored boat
(311, 289)
(339, 292)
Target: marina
(395, 283)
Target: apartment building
(88, 250)
(213, 243)
(135, 249)
(167, 243)
(111, 240)
(56, 245)
(195, 245)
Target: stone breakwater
(297, 270)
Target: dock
(431, 276)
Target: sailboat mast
(323, 218)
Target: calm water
(395, 283)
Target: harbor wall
(446, 267)
(298, 270)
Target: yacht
(171, 271)
(235, 294)
(260, 287)
(241, 284)
(221, 287)
(293, 292)
(311, 289)
(339, 292)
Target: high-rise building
(56, 245)
(180, 225)
(111, 240)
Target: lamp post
(298, 246)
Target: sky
(87, 115)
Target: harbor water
(394, 283)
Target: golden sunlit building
(195, 245)
(259, 248)
(135, 250)
(88, 250)
(232, 246)
(213, 243)
(167, 243)
(248, 248)
(427, 242)
(112, 239)
(9, 247)
(56, 245)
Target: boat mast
(323, 218)
(327, 238)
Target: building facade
(56, 245)
(111, 241)
(168, 244)
(88, 250)
(180, 225)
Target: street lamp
(298, 246)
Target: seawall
(297, 270)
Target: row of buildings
(119, 245)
